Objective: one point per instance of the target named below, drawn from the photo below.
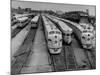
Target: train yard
(46, 43)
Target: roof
(49, 25)
(81, 13)
(35, 19)
(22, 18)
(20, 15)
(64, 26)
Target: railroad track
(22, 54)
(70, 59)
(58, 62)
(91, 59)
(65, 61)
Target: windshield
(52, 32)
(57, 32)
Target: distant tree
(28, 9)
(19, 10)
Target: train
(86, 37)
(20, 15)
(53, 36)
(15, 18)
(88, 27)
(87, 40)
(66, 30)
(34, 21)
(13, 22)
(22, 21)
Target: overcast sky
(53, 6)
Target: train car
(86, 38)
(20, 15)
(22, 21)
(53, 36)
(34, 21)
(66, 30)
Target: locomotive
(34, 21)
(53, 36)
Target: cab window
(57, 32)
(85, 31)
(52, 32)
(49, 39)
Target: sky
(53, 6)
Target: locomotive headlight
(83, 37)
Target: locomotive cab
(53, 36)
(34, 22)
(54, 42)
(68, 36)
(87, 40)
